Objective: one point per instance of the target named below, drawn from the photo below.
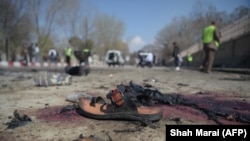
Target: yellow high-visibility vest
(85, 50)
(68, 51)
(217, 43)
(190, 58)
(208, 35)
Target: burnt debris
(214, 109)
(18, 120)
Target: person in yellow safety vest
(86, 53)
(211, 42)
(68, 55)
(189, 59)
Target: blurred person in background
(52, 56)
(175, 54)
(210, 39)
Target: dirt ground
(42, 104)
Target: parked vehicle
(144, 62)
(114, 57)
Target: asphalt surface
(103, 67)
(215, 93)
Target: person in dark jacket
(175, 54)
(140, 58)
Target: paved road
(218, 90)
(105, 67)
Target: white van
(114, 57)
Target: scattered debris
(46, 105)
(78, 70)
(18, 120)
(111, 75)
(148, 86)
(154, 80)
(46, 79)
(177, 120)
(211, 107)
(75, 97)
(4, 85)
(100, 136)
(182, 84)
(137, 128)
(83, 138)
(103, 87)
(68, 108)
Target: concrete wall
(234, 50)
(234, 54)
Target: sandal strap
(97, 99)
(121, 101)
(117, 97)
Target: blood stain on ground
(210, 108)
(185, 113)
(56, 115)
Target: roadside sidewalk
(17, 66)
(234, 70)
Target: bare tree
(187, 30)
(108, 32)
(87, 27)
(122, 46)
(202, 15)
(88, 20)
(11, 15)
(77, 22)
(70, 17)
(44, 14)
(239, 12)
(75, 42)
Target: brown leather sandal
(120, 108)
